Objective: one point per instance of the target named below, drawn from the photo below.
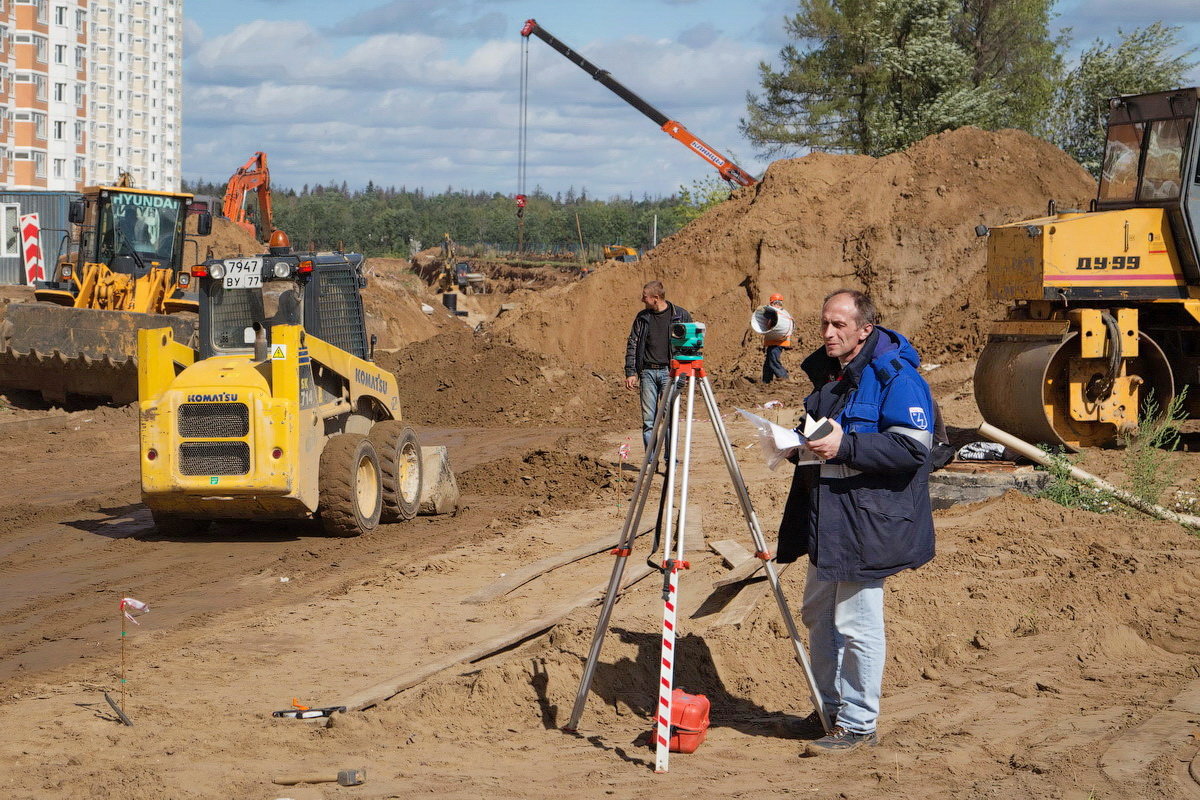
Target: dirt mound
(900, 226)
(226, 239)
(463, 378)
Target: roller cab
(1104, 304)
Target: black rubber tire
(351, 490)
(178, 526)
(402, 467)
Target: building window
(60, 92)
(42, 44)
(79, 169)
(78, 133)
(79, 57)
(60, 129)
(60, 167)
(12, 236)
(80, 20)
(39, 164)
(43, 15)
(60, 54)
(39, 126)
(60, 15)
(79, 95)
(40, 82)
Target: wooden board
(518, 578)
(731, 552)
(736, 611)
(374, 695)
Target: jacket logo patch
(917, 415)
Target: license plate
(243, 273)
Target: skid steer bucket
(61, 351)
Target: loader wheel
(171, 524)
(351, 494)
(401, 464)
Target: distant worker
(776, 339)
(863, 514)
(648, 351)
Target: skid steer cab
(281, 413)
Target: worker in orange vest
(775, 341)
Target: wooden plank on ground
(731, 552)
(740, 574)
(518, 578)
(374, 695)
(736, 611)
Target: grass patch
(1147, 461)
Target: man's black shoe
(840, 740)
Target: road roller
(1104, 304)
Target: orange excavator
(253, 176)
(728, 170)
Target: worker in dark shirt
(648, 351)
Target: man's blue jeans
(652, 382)
(846, 643)
(772, 364)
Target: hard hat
(775, 297)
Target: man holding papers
(864, 513)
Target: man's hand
(631, 382)
(827, 446)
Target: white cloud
(411, 108)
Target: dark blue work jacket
(865, 514)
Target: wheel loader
(280, 412)
(121, 273)
(1104, 315)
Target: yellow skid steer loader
(280, 413)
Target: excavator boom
(728, 170)
(253, 176)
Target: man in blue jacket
(648, 351)
(862, 515)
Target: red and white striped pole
(666, 675)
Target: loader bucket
(62, 352)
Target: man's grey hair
(865, 312)
(655, 289)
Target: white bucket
(768, 320)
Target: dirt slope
(901, 227)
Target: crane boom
(729, 171)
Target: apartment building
(90, 89)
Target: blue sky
(421, 93)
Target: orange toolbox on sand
(689, 721)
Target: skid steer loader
(280, 413)
(121, 273)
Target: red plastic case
(689, 721)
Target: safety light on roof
(305, 267)
(200, 271)
(283, 269)
(217, 271)
(64, 271)
(185, 280)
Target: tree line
(389, 221)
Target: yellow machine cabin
(1105, 304)
(281, 412)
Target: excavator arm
(253, 176)
(728, 170)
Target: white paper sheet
(778, 442)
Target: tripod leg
(666, 678)
(624, 548)
(760, 548)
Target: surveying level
(687, 371)
(687, 341)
